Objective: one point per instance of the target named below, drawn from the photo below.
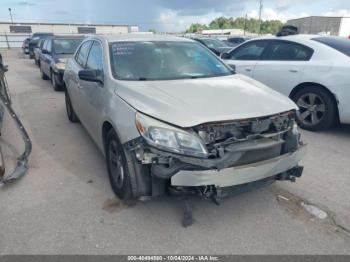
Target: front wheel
(317, 109)
(43, 75)
(70, 111)
(118, 171)
(55, 85)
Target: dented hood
(191, 102)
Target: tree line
(251, 25)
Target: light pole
(260, 10)
(11, 15)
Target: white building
(339, 26)
(13, 34)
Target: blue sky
(163, 15)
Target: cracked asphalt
(64, 205)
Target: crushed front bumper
(240, 174)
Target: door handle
(293, 70)
(248, 69)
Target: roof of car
(141, 37)
(289, 37)
(68, 36)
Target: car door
(282, 65)
(42, 56)
(244, 58)
(92, 102)
(46, 58)
(78, 63)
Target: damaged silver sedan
(169, 116)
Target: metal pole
(7, 41)
(11, 15)
(260, 10)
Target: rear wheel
(317, 109)
(118, 171)
(70, 111)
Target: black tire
(31, 56)
(55, 85)
(317, 108)
(70, 110)
(43, 75)
(117, 166)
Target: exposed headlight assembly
(169, 138)
(60, 65)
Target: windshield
(164, 60)
(338, 43)
(66, 46)
(213, 43)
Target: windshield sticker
(121, 49)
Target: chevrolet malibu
(170, 116)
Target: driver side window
(249, 51)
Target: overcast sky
(164, 15)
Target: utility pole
(260, 11)
(245, 23)
(11, 15)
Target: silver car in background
(169, 115)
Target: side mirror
(91, 75)
(225, 56)
(45, 52)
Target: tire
(43, 75)
(70, 110)
(55, 85)
(117, 166)
(31, 56)
(317, 108)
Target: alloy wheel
(116, 164)
(312, 109)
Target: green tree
(251, 25)
(152, 30)
(196, 27)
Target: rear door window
(338, 43)
(287, 51)
(249, 51)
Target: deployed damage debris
(8, 174)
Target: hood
(191, 102)
(62, 57)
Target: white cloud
(171, 21)
(272, 14)
(340, 12)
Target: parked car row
(50, 55)
(219, 46)
(170, 116)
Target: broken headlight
(60, 65)
(167, 137)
